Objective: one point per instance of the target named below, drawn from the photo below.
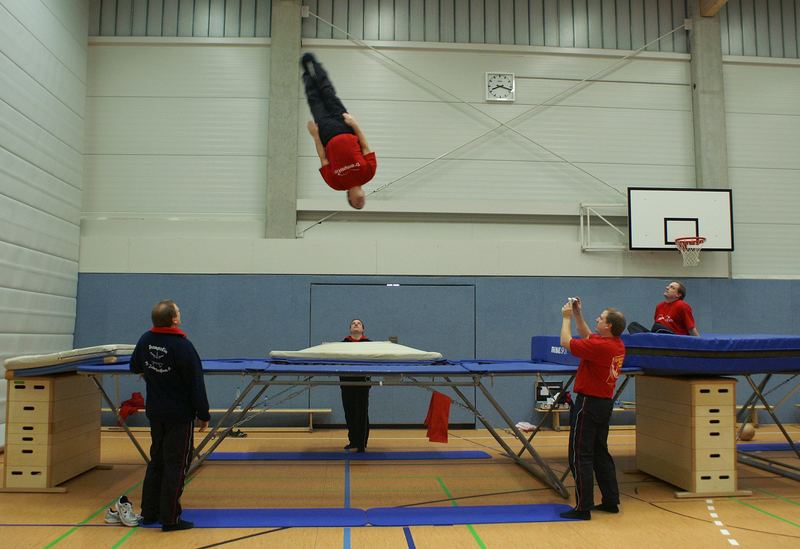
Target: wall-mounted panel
(760, 28)
(604, 24)
(199, 18)
(42, 96)
(763, 28)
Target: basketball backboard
(657, 216)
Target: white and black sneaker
(112, 517)
(125, 512)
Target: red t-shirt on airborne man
(347, 167)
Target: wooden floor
(650, 514)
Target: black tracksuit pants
(588, 451)
(170, 457)
(325, 106)
(355, 401)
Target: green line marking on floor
(766, 512)
(72, 530)
(124, 538)
(787, 500)
(470, 527)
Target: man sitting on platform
(672, 316)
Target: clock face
(499, 86)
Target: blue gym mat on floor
(765, 447)
(341, 456)
(381, 516)
(475, 514)
(261, 518)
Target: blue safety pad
(272, 518)
(121, 364)
(517, 367)
(766, 447)
(341, 456)
(548, 349)
(214, 366)
(713, 354)
(468, 514)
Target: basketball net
(690, 247)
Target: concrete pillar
(708, 100)
(284, 83)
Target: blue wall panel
(248, 315)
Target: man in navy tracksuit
(176, 395)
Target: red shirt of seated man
(347, 166)
(674, 312)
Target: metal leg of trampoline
(772, 414)
(200, 458)
(749, 405)
(550, 477)
(549, 411)
(217, 427)
(119, 419)
(766, 464)
(509, 452)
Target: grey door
(424, 316)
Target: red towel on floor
(438, 417)
(131, 406)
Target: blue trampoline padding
(548, 349)
(478, 514)
(548, 354)
(214, 366)
(98, 363)
(341, 456)
(261, 518)
(713, 354)
(517, 367)
(766, 447)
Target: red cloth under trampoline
(438, 417)
(131, 406)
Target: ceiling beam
(709, 8)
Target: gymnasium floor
(650, 515)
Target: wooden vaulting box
(685, 431)
(52, 430)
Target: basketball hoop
(690, 247)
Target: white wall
(762, 103)
(42, 98)
(177, 132)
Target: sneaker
(180, 525)
(112, 517)
(125, 512)
(307, 62)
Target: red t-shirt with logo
(677, 316)
(601, 362)
(347, 167)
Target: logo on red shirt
(616, 367)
